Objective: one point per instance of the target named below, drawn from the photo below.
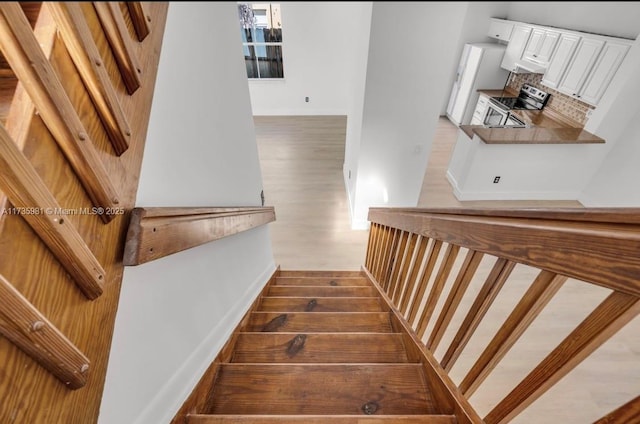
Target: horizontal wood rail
(158, 232)
(23, 52)
(28, 329)
(603, 252)
(407, 259)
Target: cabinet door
(580, 66)
(500, 29)
(534, 44)
(560, 60)
(547, 46)
(603, 71)
(519, 38)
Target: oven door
(495, 115)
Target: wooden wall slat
(39, 208)
(484, 299)
(542, 290)
(609, 317)
(154, 233)
(423, 244)
(121, 44)
(465, 275)
(32, 332)
(76, 35)
(140, 18)
(36, 74)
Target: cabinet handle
(535, 55)
(498, 35)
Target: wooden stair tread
(321, 419)
(269, 389)
(322, 281)
(320, 304)
(319, 322)
(322, 291)
(318, 273)
(319, 348)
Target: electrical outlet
(306, 99)
(496, 179)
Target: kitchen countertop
(546, 127)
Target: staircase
(319, 347)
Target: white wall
(176, 313)
(411, 53)
(620, 19)
(320, 42)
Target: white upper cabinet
(515, 48)
(560, 59)
(580, 65)
(603, 71)
(500, 29)
(541, 46)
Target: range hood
(528, 67)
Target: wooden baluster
(77, 37)
(495, 280)
(448, 261)
(28, 329)
(609, 317)
(385, 263)
(432, 257)
(406, 263)
(28, 193)
(467, 271)
(397, 262)
(377, 246)
(119, 39)
(413, 277)
(374, 233)
(542, 290)
(140, 18)
(625, 414)
(22, 51)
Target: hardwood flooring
(302, 158)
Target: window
(261, 29)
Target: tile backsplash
(561, 103)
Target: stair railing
(412, 255)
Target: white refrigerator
(479, 68)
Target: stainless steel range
(529, 98)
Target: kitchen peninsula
(542, 161)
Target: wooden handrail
(600, 248)
(157, 232)
(32, 332)
(603, 253)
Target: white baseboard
(300, 112)
(177, 389)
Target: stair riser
(321, 282)
(331, 322)
(320, 304)
(304, 291)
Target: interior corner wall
(319, 52)
(176, 313)
(411, 53)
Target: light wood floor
(301, 159)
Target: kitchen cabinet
(481, 110)
(607, 64)
(560, 59)
(580, 66)
(500, 29)
(541, 45)
(515, 48)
